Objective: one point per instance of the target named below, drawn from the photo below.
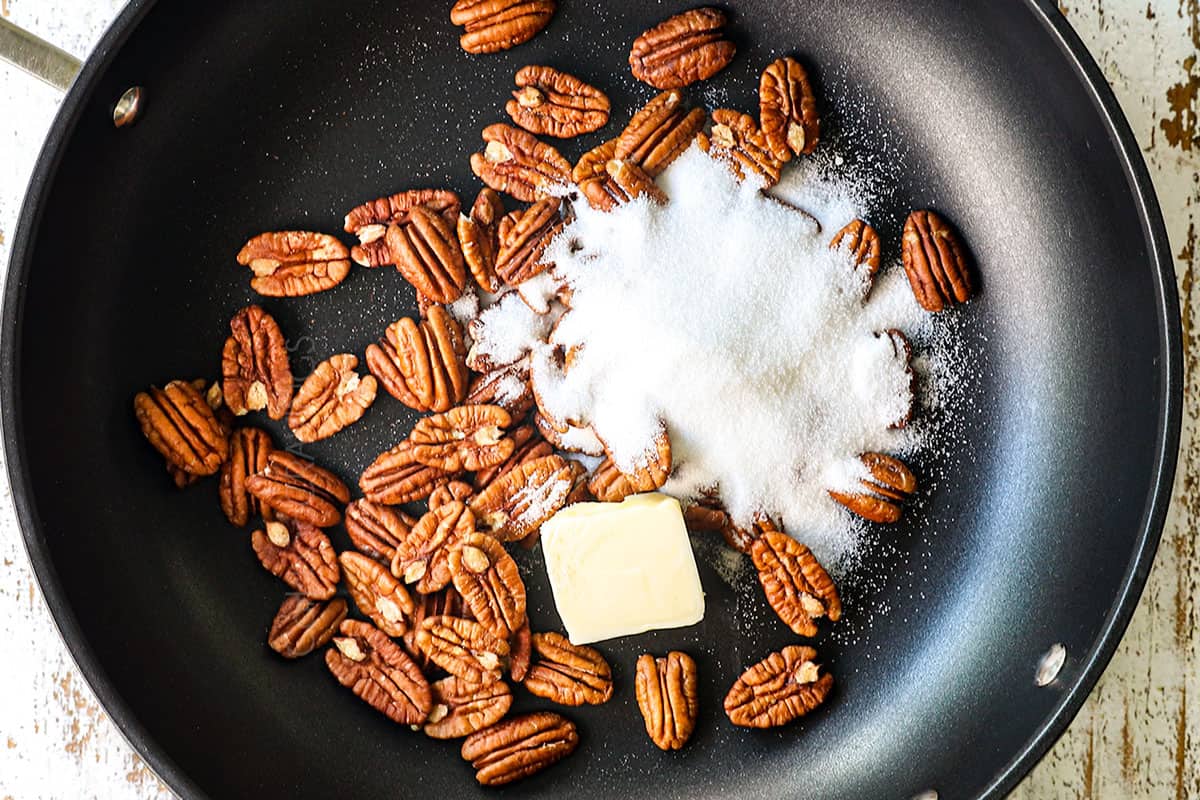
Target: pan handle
(37, 57)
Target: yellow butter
(622, 568)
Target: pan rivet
(1050, 664)
(125, 112)
(927, 795)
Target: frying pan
(1047, 495)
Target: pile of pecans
(445, 627)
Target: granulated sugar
(505, 331)
(725, 317)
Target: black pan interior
(276, 115)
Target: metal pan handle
(37, 57)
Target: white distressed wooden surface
(1137, 737)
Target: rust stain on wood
(1089, 763)
(141, 776)
(1184, 541)
(1181, 753)
(1181, 127)
(84, 715)
(1128, 763)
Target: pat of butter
(622, 568)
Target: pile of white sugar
(725, 317)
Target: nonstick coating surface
(275, 115)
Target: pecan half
(552, 103)
(461, 708)
(331, 398)
(573, 439)
(377, 594)
(579, 488)
(659, 133)
(225, 419)
(369, 221)
(787, 109)
(376, 529)
(506, 223)
(294, 263)
(254, 365)
(522, 247)
(479, 237)
(568, 674)
(396, 477)
(861, 241)
(592, 164)
(421, 364)
(517, 163)
(300, 555)
(248, 452)
(182, 479)
(796, 585)
(462, 647)
(446, 603)
(679, 51)
(454, 491)
(591, 176)
(579, 494)
(935, 262)
(519, 746)
(379, 672)
(778, 689)
(507, 387)
(428, 255)
(520, 652)
(487, 578)
(608, 484)
(668, 698)
(520, 500)
(463, 438)
(495, 25)
(299, 489)
(181, 426)
(702, 517)
(302, 625)
(736, 140)
(650, 472)
(889, 483)
(527, 445)
(629, 182)
(422, 557)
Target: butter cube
(622, 568)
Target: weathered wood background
(1137, 737)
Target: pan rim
(1041, 740)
